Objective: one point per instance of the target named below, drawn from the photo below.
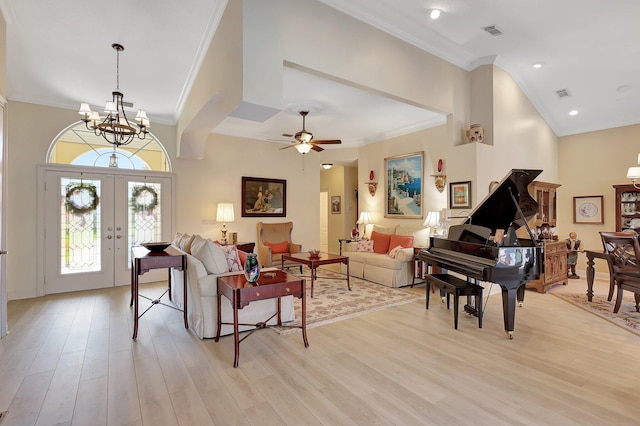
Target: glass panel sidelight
(145, 218)
(80, 225)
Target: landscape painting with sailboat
(404, 186)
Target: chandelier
(115, 128)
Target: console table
(143, 260)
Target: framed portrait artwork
(264, 197)
(335, 204)
(588, 209)
(404, 189)
(460, 195)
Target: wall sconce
(634, 174)
(224, 215)
(371, 185)
(440, 177)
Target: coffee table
(313, 262)
(270, 285)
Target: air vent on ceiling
(493, 30)
(562, 93)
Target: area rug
(627, 317)
(332, 301)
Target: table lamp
(364, 219)
(224, 215)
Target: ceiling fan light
(327, 166)
(303, 148)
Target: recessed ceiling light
(537, 65)
(434, 13)
(574, 112)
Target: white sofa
(204, 266)
(380, 268)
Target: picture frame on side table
(460, 195)
(336, 207)
(588, 209)
(404, 187)
(262, 197)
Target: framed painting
(336, 208)
(264, 197)
(460, 195)
(588, 209)
(404, 189)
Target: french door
(93, 217)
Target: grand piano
(485, 247)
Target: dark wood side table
(591, 272)
(245, 247)
(271, 284)
(344, 240)
(143, 260)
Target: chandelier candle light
(224, 215)
(115, 128)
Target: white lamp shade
(110, 107)
(84, 109)
(303, 148)
(432, 220)
(364, 218)
(225, 213)
(633, 173)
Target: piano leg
(509, 309)
(521, 295)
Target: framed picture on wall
(264, 197)
(404, 190)
(588, 209)
(336, 208)
(460, 195)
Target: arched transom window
(78, 146)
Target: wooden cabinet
(627, 208)
(554, 269)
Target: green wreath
(74, 194)
(139, 197)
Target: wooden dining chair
(624, 250)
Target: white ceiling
(590, 48)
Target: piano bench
(458, 287)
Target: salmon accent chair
(274, 240)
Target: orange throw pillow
(277, 248)
(380, 242)
(406, 241)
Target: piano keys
(472, 249)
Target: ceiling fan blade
(316, 148)
(289, 146)
(287, 135)
(328, 141)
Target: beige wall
(340, 181)
(590, 164)
(3, 57)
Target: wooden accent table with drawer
(270, 285)
(555, 266)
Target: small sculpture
(475, 133)
(573, 245)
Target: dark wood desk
(241, 293)
(313, 262)
(591, 255)
(142, 260)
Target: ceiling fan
(304, 139)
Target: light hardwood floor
(70, 359)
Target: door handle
(118, 236)
(109, 237)
(3, 252)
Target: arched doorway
(96, 202)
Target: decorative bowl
(314, 253)
(155, 247)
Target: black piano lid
(497, 210)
